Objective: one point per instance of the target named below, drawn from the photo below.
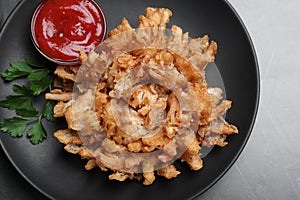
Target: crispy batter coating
(64, 85)
(59, 95)
(68, 136)
(157, 117)
(60, 108)
(169, 172)
(124, 26)
(119, 176)
(193, 160)
(67, 72)
(155, 18)
(91, 164)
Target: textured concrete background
(269, 167)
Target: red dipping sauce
(61, 27)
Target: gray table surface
(269, 166)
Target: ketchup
(62, 27)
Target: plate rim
(2, 28)
(258, 88)
(249, 132)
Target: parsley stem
(40, 117)
(40, 79)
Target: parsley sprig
(40, 79)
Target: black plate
(60, 175)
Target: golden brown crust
(67, 72)
(169, 172)
(59, 95)
(149, 104)
(91, 164)
(155, 18)
(123, 176)
(68, 136)
(124, 26)
(60, 108)
(193, 160)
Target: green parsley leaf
(26, 112)
(21, 103)
(37, 132)
(16, 70)
(14, 126)
(16, 102)
(39, 86)
(48, 110)
(21, 90)
(35, 61)
(40, 80)
(38, 75)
